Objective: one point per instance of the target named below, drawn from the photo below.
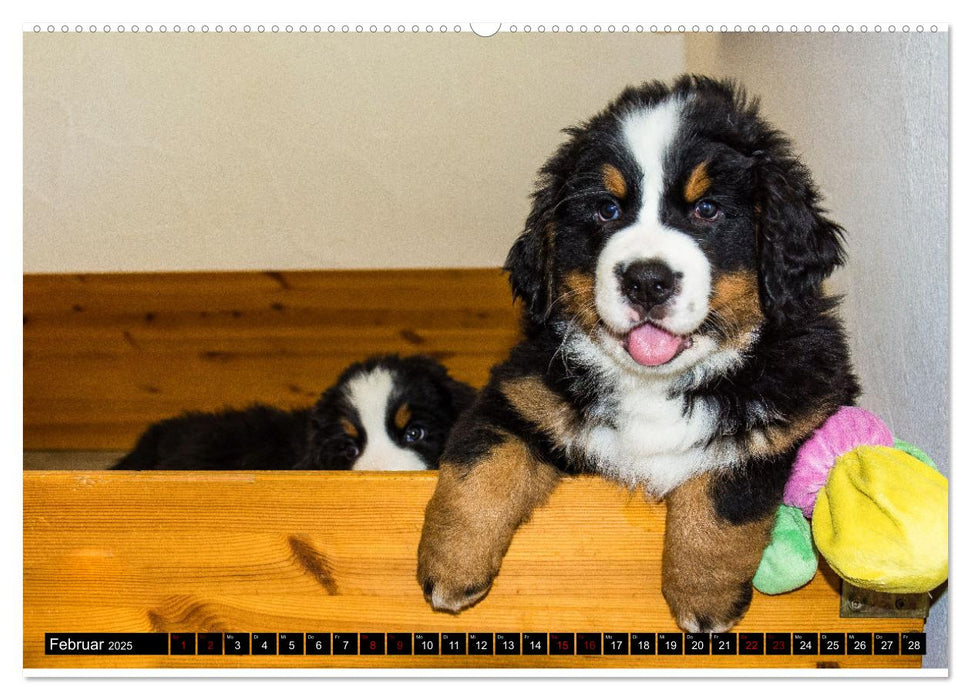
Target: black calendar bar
(486, 643)
(97, 644)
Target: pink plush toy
(848, 428)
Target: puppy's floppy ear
(462, 395)
(306, 462)
(311, 454)
(529, 262)
(798, 247)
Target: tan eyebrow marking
(698, 183)
(614, 181)
(402, 416)
(349, 428)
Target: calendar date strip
(485, 643)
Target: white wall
(870, 115)
(187, 152)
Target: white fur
(370, 394)
(690, 624)
(653, 444)
(649, 135)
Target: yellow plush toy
(881, 521)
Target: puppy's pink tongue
(652, 346)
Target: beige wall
(870, 116)
(149, 152)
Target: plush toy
(878, 508)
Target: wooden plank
(195, 552)
(107, 354)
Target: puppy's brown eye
(707, 210)
(608, 210)
(351, 451)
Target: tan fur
(402, 416)
(614, 181)
(708, 562)
(541, 407)
(698, 183)
(779, 439)
(349, 428)
(471, 518)
(736, 300)
(578, 298)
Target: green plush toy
(790, 559)
(878, 509)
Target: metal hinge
(859, 602)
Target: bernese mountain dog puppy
(384, 414)
(676, 339)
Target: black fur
(260, 437)
(263, 437)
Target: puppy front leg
(709, 562)
(471, 518)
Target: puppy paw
(453, 573)
(710, 609)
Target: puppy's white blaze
(371, 394)
(649, 134)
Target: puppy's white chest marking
(652, 443)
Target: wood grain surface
(107, 354)
(335, 552)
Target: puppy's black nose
(647, 283)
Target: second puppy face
(385, 414)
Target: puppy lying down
(387, 413)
